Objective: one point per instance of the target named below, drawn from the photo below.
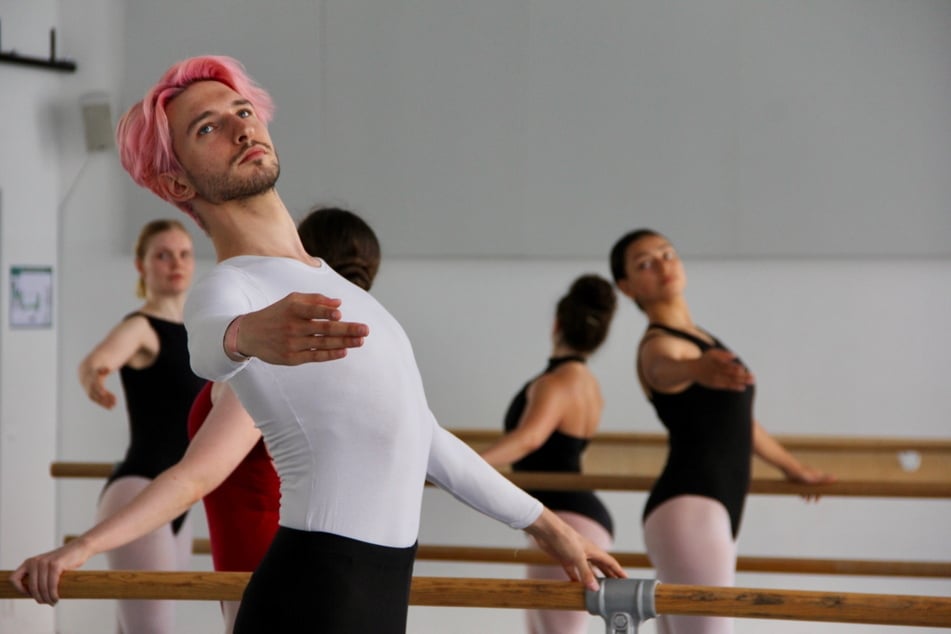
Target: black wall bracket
(64, 65)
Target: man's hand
(301, 328)
(578, 556)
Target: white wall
(539, 126)
(747, 127)
(840, 346)
(29, 186)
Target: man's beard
(218, 189)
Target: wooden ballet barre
(599, 482)
(796, 605)
(81, 469)
(857, 567)
(790, 441)
(867, 460)
(804, 605)
(782, 565)
(767, 486)
(860, 459)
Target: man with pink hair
(353, 440)
(143, 134)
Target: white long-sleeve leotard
(353, 440)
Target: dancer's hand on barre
(301, 328)
(39, 576)
(575, 552)
(770, 450)
(809, 475)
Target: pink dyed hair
(143, 135)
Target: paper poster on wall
(31, 297)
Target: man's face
(224, 149)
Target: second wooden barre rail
(786, 565)
(798, 605)
(593, 482)
(856, 567)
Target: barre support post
(622, 603)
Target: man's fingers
(609, 566)
(314, 355)
(338, 329)
(323, 342)
(311, 356)
(314, 306)
(325, 315)
(587, 577)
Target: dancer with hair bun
(550, 423)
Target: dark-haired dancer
(703, 394)
(550, 423)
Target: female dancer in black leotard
(550, 422)
(149, 349)
(703, 394)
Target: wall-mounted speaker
(97, 122)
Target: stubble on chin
(222, 188)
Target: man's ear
(176, 187)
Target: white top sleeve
(214, 302)
(456, 468)
(353, 439)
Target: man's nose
(243, 130)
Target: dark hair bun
(593, 292)
(584, 314)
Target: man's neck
(255, 226)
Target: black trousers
(322, 583)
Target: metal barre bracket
(622, 603)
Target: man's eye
(205, 129)
(244, 114)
